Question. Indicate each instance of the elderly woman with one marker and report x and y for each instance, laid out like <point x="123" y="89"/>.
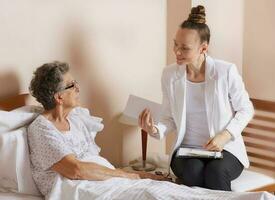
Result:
<point x="59" y="141"/>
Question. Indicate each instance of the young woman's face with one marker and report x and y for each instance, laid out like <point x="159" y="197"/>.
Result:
<point x="187" y="46"/>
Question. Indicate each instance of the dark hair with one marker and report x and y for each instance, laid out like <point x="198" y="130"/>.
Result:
<point x="46" y="81"/>
<point x="196" y="21"/>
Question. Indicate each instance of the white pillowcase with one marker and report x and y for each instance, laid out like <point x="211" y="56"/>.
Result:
<point x="15" y="119"/>
<point x="15" y="170"/>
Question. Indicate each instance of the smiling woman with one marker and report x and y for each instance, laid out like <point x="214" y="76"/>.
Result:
<point x="60" y="142"/>
<point x="206" y="104"/>
<point x="57" y="140"/>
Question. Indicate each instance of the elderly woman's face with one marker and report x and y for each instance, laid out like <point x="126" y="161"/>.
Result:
<point x="70" y="91"/>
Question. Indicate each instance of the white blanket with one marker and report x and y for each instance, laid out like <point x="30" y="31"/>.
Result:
<point x="144" y="189"/>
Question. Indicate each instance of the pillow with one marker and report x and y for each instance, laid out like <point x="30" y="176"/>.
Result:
<point x="29" y="109"/>
<point x="14" y="120"/>
<point x="15" y="170"/>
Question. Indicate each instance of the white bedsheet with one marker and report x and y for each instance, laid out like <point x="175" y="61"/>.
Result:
<point x="145" y="189"/>
<point x="15" y="196"/>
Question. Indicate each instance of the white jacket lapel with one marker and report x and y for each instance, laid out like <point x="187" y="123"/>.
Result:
<point x="180" y="102"/>
<point x="210" y="84"/>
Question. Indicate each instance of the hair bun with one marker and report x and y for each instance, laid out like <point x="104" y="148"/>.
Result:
<point x="197" y="15"/>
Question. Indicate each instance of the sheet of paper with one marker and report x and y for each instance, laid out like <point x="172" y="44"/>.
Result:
<point x="135" y="105"/>
<point x="198" y="152"/>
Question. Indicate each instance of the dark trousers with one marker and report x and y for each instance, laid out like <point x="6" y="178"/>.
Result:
<point x="214" y="174"/>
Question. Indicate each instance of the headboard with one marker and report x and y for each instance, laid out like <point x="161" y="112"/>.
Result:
<point x="259" y="137"/>
<point x="10" y="103"/>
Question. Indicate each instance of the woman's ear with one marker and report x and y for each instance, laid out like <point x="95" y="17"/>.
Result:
<point x="58" y="98"/>
<point x="204" y="48"/>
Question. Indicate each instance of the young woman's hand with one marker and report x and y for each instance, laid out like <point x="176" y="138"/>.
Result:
<point x="217" y="143"/>
<point x="146" y="122"/>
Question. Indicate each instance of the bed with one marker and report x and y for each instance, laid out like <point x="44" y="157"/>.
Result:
<point x="23" y="187"/>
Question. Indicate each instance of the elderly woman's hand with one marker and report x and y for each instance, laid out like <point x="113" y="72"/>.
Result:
<point x="132" y="176"/>
<point x="128" y="174"/>
<point x="217" y="143"/>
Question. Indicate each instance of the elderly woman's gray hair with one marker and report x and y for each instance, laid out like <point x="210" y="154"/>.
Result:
<point x="46" y="81"/>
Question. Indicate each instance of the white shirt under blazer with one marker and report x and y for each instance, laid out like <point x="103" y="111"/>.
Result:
<point x="227" y="105"/>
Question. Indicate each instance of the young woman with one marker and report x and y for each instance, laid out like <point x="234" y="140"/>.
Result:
<point x="206" y="104"/>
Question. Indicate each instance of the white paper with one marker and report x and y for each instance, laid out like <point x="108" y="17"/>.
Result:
<point x="135" y="105"/>
<point x="198" y="152"/>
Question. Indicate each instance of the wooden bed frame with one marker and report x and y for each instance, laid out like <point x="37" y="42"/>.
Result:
<point x="258" y="136"/>
<point x="13" y="102"/>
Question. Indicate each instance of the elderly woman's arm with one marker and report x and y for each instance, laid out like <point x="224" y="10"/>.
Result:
<point x="72" y="168"/>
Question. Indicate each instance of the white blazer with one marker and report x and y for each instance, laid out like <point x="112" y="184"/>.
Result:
<point x="227" y="105"/>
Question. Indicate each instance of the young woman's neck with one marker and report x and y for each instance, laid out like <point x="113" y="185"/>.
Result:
<point x="197" y="68"/>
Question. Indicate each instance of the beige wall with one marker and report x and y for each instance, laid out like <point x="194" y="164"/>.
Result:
<point x="259" y="53"/>
<point x="115" y="48"/>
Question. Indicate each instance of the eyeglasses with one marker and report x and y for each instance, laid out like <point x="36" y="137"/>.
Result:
<point x="74" y="84"/>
